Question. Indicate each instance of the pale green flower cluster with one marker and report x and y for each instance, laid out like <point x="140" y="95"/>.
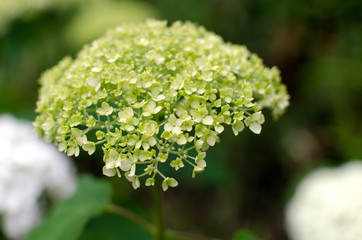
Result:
<point x="149" y="95"/>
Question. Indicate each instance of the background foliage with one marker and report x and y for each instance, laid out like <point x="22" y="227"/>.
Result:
<point x="249" y="178"/>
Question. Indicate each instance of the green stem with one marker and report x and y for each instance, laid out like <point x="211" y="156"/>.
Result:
<point x="130" y="215"/>
<point x="187" y="236"/>
<point x="151" y="229"/>
<point x="158" y="213"/>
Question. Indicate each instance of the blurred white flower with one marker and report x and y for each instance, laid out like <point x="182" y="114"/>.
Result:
<point x="327" y="205"/>
<point x="28" y="168"/>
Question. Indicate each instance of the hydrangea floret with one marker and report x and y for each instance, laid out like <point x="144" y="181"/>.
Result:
<point x="150" y="94"/>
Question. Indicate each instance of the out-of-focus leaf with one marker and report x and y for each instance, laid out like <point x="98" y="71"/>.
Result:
<point x="113" y="227"/>
<point x="243" y="234"/>
<point x="67" y="220"/>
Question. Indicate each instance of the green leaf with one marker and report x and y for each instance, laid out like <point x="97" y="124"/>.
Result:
<point x="113" y="227"/>
<point x="68" y="218"/>
<point x="243" y="234"/>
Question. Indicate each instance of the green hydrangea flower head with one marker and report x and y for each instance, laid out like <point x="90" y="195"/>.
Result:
<point x="149" y="94"/>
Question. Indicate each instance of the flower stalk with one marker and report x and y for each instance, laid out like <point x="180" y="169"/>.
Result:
<point x="149" y="227"/>
<point x="159" y="233"/>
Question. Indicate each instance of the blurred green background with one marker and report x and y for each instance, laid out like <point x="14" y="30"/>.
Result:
<point x="317" y="45"/>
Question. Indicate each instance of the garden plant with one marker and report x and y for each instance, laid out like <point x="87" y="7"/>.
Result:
<point x="152" y="95"/>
